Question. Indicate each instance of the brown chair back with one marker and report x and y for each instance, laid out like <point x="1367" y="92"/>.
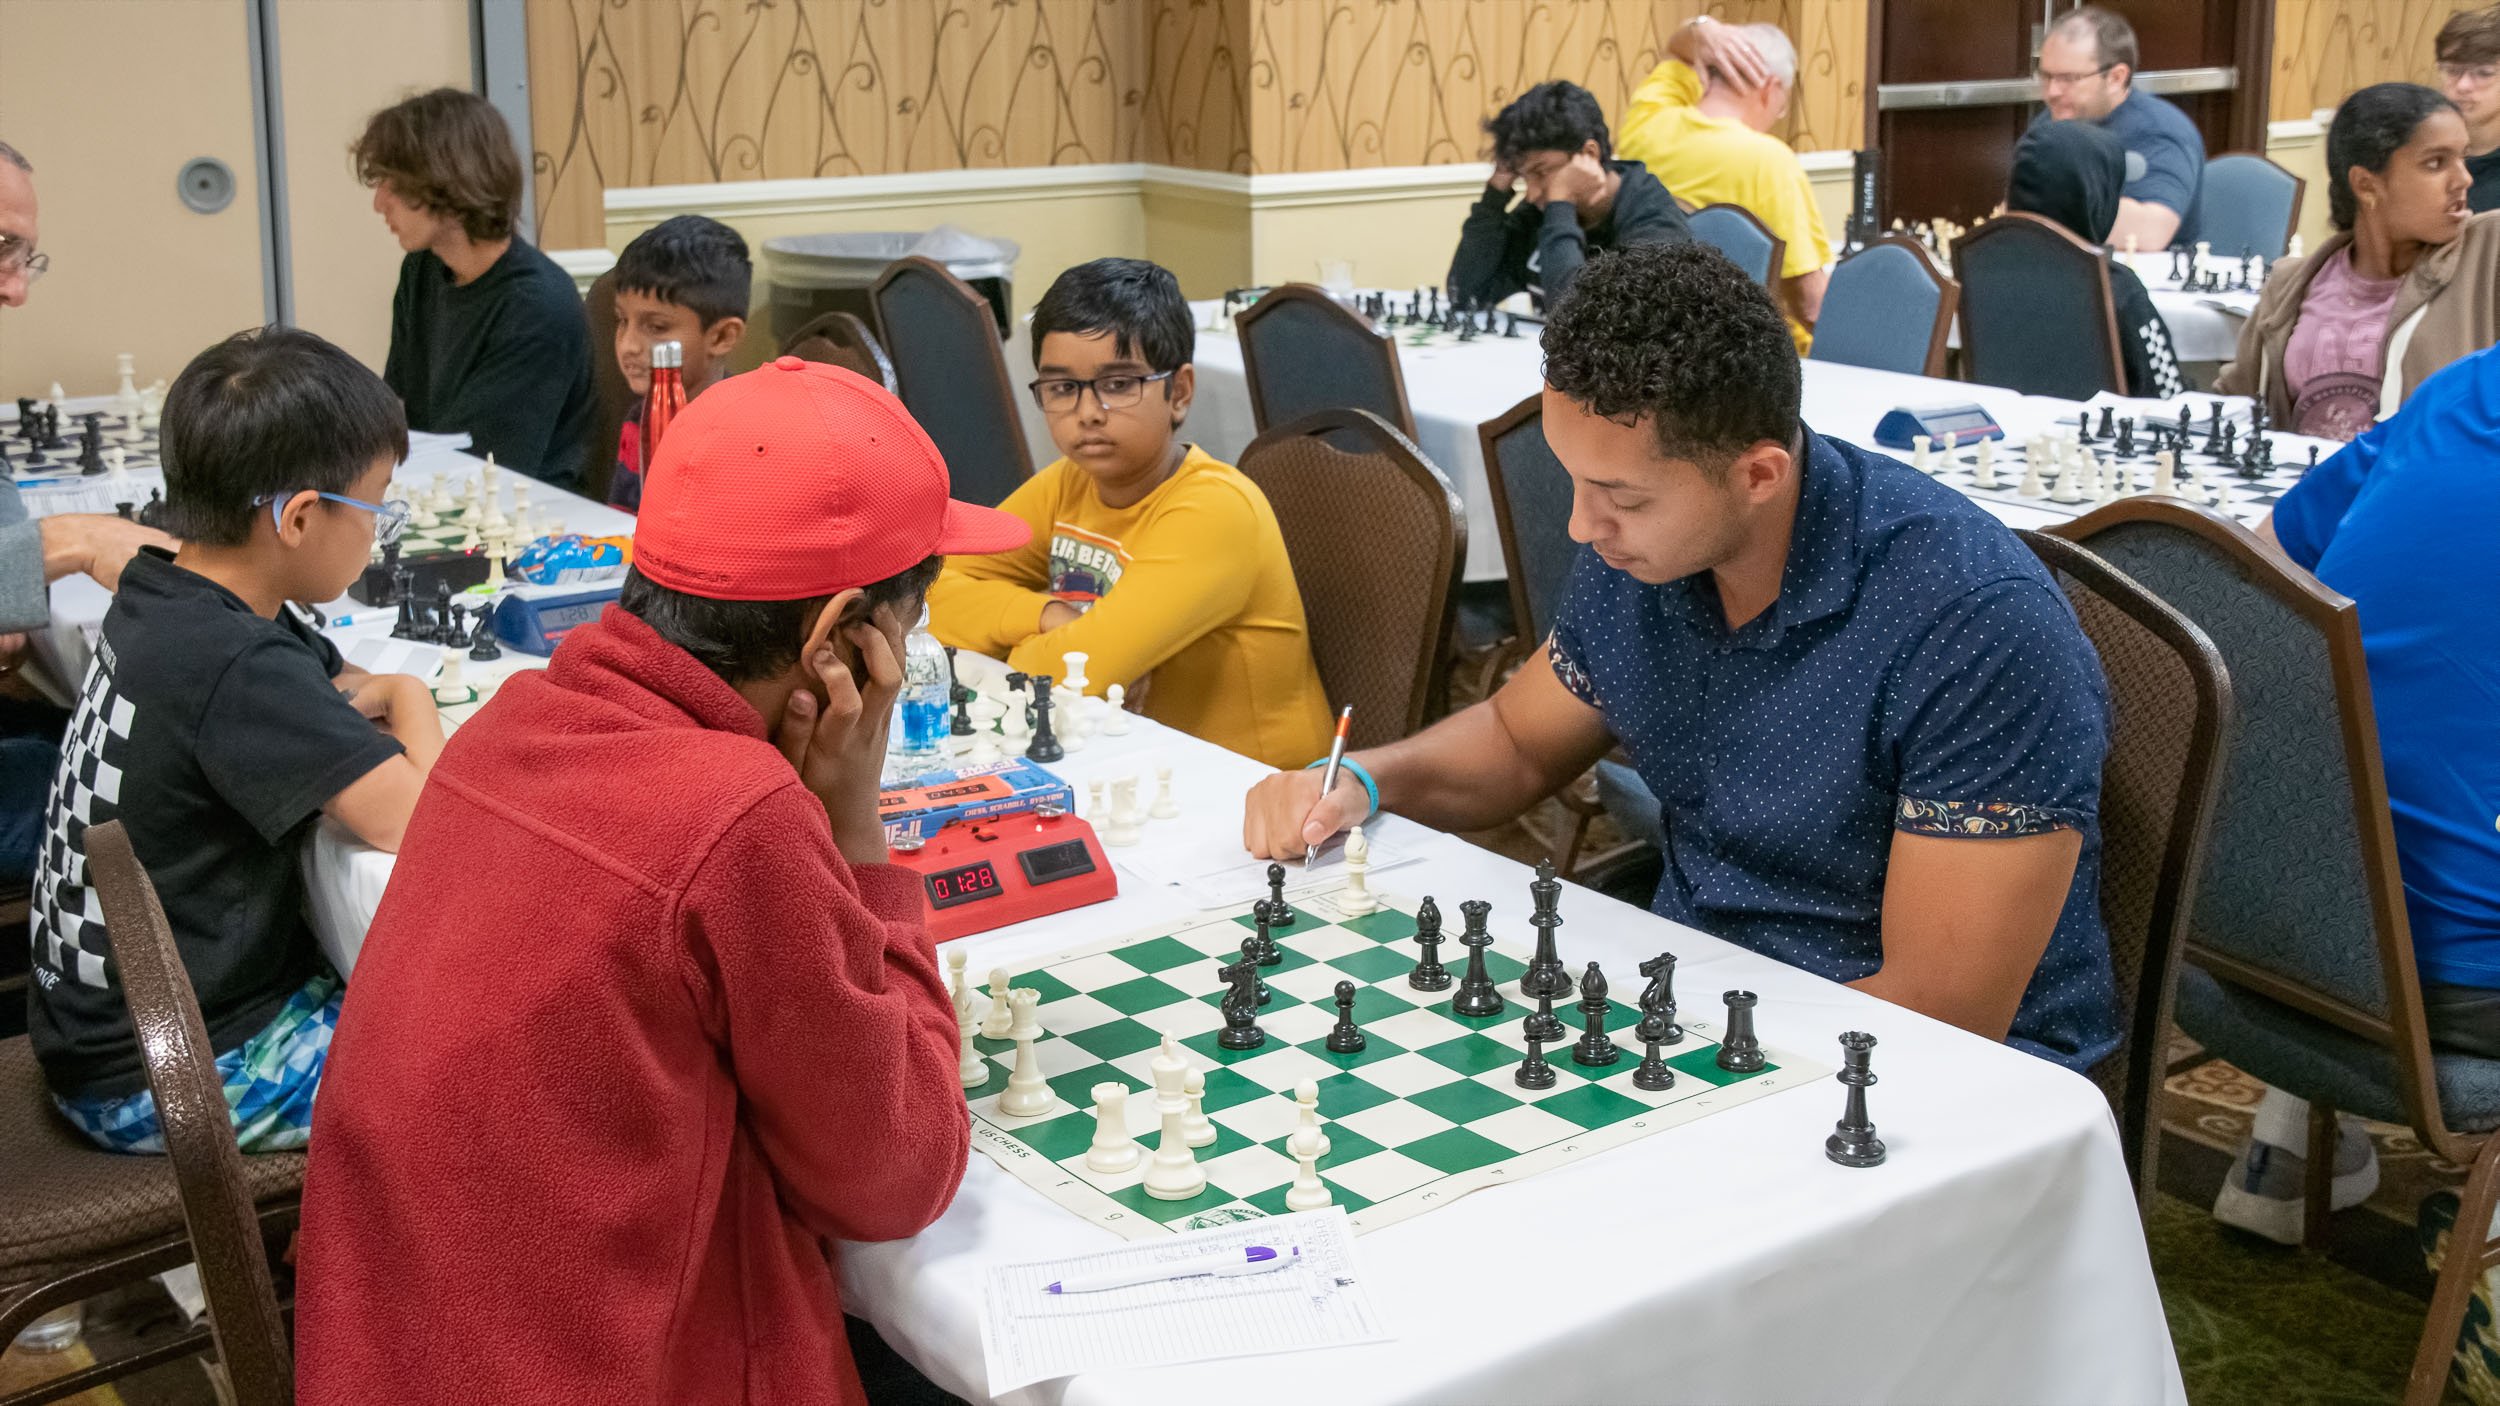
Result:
<point x="2302" y="903"/>
<point x="217" y="1203"/>
<point x="1302" y="352"/>
<point x="2170" y="721"/>
<point x="611" y="397"/>
<point x="2037" y="315"/>
<point x="1377" y="537"/>
<point x="841" y="339"/>
<point x="943" y="338"/>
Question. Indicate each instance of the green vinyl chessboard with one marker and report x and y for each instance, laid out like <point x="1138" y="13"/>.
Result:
<point x="1426" y="1113"/>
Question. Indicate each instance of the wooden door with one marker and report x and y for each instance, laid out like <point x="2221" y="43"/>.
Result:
<point x="109" y="101"/>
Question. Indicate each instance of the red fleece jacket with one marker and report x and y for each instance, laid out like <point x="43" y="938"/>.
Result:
<point x="627" y="1042"/>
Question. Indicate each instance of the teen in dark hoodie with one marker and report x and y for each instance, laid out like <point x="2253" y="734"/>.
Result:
<point x="2071" y="172"/>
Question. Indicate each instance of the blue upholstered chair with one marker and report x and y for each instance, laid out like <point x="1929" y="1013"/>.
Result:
<point x="1888" y="307"/>
<point x="943" y="339"/>
<point x="1733" y="231"/>
<point x="2171" y="715"/>
<point x="2248" y="205"/>
<point x="2036" y="310"/>
<point x="1302" y="351"/>
<point x="2300" y="960"/>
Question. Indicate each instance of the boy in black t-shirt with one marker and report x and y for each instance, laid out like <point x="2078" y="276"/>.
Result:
<point x="216" y="725"/>
<point x="488" y="338"/>
<point x="684" y="280"/>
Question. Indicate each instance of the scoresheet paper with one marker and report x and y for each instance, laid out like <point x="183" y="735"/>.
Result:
<point x="1029" y="1335"/>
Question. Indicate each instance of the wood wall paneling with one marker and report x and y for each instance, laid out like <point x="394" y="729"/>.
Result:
<point x="2324" y="49"/>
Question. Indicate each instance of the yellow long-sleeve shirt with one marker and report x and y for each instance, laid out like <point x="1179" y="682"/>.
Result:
<point x="1709" y="160"/>
<point x="1191" y="585"/>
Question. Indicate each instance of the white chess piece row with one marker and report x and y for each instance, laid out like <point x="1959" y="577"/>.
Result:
<point x="1121" y="824"/>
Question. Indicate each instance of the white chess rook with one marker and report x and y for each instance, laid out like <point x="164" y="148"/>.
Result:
<point x="1113" y="1150"/>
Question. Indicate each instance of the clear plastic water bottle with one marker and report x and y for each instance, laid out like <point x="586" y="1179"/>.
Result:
<point x="923" y="704"/>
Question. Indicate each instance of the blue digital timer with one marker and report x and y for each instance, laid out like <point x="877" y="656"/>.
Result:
<point x="536" y="624"/>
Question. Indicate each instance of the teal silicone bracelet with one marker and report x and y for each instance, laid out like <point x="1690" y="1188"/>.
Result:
<point x="1371" y="788"/>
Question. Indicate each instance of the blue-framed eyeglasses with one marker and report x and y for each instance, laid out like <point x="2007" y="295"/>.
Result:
<point x="389" y="519"/>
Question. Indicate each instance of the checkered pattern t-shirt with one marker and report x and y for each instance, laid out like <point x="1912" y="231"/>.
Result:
<point x="214" y="735"/>
<point x="1918" y="672"/>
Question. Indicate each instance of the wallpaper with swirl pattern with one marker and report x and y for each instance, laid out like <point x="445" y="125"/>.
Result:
<point x="648" y="92"/>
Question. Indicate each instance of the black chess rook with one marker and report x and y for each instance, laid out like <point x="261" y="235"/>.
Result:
<point x="1739" y="1051"/>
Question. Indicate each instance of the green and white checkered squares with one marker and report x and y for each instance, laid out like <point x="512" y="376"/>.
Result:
<point x="1425" y="1112"/>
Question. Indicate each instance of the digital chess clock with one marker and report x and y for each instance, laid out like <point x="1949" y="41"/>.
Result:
<point x="1968" y="424"/>
<point x="976" y="875"/>
<point x="536" y="624"/>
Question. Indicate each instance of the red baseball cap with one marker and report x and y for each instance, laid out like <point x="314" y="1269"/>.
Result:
<point x="796" y="480"/>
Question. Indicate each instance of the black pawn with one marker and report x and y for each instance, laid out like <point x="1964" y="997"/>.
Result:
<point x="442" y="611"/>
<point x="1595" y="1048"/>
<point x="1534" y="1072"/>
<point x="1653" y="1074"/>
<point x="482" y="643"/>
<point x="1045" y="744"/>
<point x="1739" y="1051"/>
<point x="1279" y="912"/>
<point x="2126" y="437"/>
<point x="1542" y="1023"/>
<point x="1256" y="949"/>
<point x="1853" y="1142"/>
<point x="1545" y="975"/>
<point x="2083" y="428"/>
<point x="1346" y="1039"/>
<point x="1477" y="996"/>
<point x="1429" y="974"/>
<point x="127" y="512"/>
<point x="2313" y="459"/>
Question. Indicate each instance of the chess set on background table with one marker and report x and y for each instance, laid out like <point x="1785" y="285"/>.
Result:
<point x="1143" y="1084"/>
<point x="2076" y="470"/>
<point x="1423" y="318"/>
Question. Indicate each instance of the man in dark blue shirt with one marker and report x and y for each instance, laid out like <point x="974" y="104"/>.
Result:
<point x="2404" y="520"/>
<point x="1873" y="725"/>
<point x="2087" y="71"/>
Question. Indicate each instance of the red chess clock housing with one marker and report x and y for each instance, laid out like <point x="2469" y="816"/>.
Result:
<point x="976" y="875"/>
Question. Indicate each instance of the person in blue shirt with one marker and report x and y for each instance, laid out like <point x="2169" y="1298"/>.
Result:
<point x="2405" y="521"/>
<point x="1873" y="725"/>
<point x="2087" y="71"/>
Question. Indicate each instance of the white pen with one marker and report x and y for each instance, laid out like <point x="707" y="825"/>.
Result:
<point x="1249" y="1259"/>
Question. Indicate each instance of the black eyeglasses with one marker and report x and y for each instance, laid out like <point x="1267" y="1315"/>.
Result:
<point x="18" y="256"/>
<point x="1057" y="395"/>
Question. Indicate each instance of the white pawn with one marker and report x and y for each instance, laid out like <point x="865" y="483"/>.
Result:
<point x="1015" y="725"/>
<point x="60" y="401"/>
<point x="1309" y="1193"/>
<point x="1094" y="813"/>
<point x="1113" y="1150"/>
<point x="1115" y="717"/>
<point x="1357" y="898"/>
<point x="2295" y="249"/>
<point x="448" y="690"/>
<point x="996" y="1021"/>
<point x="1163" y="808"/>
<point x="1196" y="1130"/>
<point x="1918" y="454"/>
<point x="1983" y="472"/>
<point x="985" y="749"/>
<point x="2166" y="474"/>
<point x="1124" y="813"/>
<point x="2035" y="469"/>
<point x="118" y="459"/>
<point x="1307" y="1131"/>
<point x="1028" y="1094"/>
<point x="2069" y="478"/>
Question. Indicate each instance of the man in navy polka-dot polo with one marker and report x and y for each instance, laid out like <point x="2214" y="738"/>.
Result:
<point x="1873" y="726"/>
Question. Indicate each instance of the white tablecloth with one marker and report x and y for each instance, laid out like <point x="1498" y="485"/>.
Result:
<point x="1996" y="1257"/>
<point x="1453" y="388"/>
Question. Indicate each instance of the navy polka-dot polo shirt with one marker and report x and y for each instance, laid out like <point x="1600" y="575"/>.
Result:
<point x="1919" y="671"/>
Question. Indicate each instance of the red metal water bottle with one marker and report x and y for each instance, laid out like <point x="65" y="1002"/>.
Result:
<point x="667" y="398"/>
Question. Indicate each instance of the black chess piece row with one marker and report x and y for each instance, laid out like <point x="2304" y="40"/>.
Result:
<point x="441" y="622"/>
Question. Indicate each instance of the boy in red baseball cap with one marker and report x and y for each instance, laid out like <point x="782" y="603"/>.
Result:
<point x="645" y="1019"/>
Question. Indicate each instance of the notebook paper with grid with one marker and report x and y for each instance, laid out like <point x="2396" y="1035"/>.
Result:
<point x="1424" y="1113"/>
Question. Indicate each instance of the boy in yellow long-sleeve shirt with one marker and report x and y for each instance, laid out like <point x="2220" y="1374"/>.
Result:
<point x="1161" y="564"/>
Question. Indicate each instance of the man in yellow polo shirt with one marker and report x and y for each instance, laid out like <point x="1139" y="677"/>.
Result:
<point x="1701" y="122"/>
